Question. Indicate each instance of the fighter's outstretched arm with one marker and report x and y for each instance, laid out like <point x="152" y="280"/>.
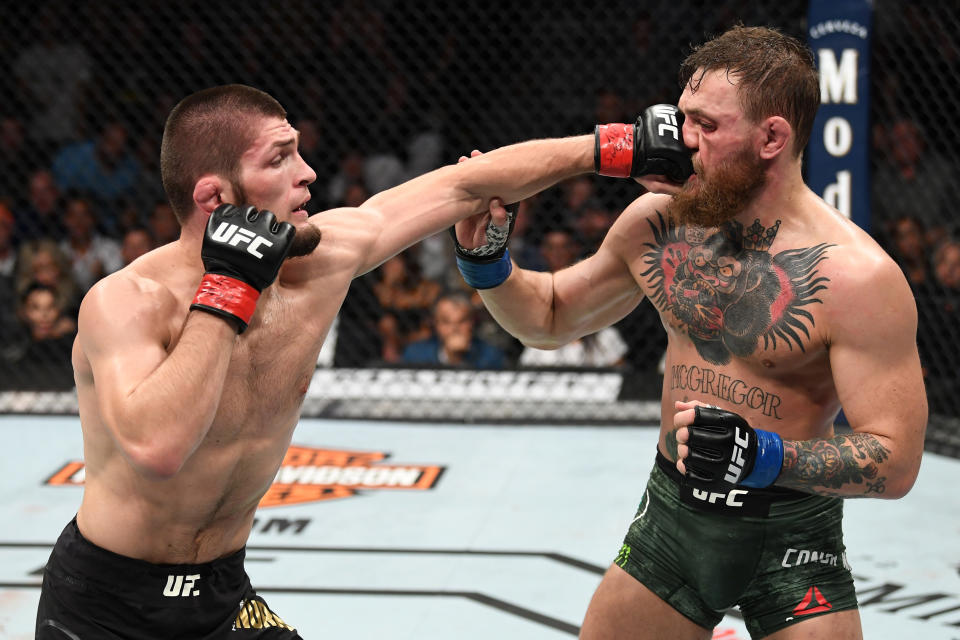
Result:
<point x="399" y="217"/>
<point x="548" y="310"/>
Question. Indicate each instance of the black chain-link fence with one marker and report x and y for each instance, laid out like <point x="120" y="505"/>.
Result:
<point x="385" y="90"/>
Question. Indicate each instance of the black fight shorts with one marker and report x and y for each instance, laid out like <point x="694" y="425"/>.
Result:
<point x="90" y="593"/>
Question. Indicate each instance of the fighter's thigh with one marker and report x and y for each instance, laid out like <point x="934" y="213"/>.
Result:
<point x="842" y="625"/>
<point x="623" y="609"/>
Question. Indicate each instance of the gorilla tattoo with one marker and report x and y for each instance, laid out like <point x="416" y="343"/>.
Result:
<point x="728" y="291"/>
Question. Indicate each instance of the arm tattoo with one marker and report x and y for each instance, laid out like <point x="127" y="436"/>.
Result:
<point x="847" y="466"/>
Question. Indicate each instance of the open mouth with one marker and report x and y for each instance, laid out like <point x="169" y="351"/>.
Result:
<point x="302" y="209"/>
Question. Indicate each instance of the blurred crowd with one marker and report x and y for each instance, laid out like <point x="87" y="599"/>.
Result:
<point x="378" y="100"/>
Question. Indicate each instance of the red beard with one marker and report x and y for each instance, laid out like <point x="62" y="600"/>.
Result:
<point x="721" y="195"/>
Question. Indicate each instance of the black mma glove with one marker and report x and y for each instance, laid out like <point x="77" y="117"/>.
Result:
<point x="242" y="252"/>
<point x="726" y="451"/>
<point x="652" y="146"/>
<point x="489" y="264"/>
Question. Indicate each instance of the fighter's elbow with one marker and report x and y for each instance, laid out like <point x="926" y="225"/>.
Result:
<point x="899" y="484"/>
<point x="154" y="463"/>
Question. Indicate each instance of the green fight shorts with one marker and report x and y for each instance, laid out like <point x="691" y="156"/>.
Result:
<point x="777" y="553"/>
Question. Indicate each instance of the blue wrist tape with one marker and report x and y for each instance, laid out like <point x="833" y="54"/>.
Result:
<point x="769" y="460"/>
<point x="485" y="275"/>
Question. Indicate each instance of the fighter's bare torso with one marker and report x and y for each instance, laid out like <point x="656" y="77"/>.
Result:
<point x="747" y="309"/>
<point x="205" y="511"/>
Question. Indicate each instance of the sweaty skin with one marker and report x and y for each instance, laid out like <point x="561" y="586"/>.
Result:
<point x="783" y="314"/>
<point x="185" y="423"/>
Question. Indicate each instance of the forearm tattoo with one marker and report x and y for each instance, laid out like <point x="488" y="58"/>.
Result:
<point x="848" y="466"/>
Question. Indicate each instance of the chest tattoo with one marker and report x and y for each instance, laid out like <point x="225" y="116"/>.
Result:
<point x="727" y="291"/>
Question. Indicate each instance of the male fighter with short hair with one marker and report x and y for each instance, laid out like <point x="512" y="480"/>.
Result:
<point x="192" y="362"/>
<point x="778" y="311"/>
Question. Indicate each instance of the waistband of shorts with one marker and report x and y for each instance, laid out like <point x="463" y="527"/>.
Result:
<point x="771" y="494"/>
<point x="84" y="563"/>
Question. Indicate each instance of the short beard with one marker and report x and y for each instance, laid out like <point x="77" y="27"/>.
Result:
<point x="724" y="194"/>
<point x="304" y="241"/>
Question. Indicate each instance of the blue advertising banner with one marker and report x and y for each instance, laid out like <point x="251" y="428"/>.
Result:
<point x="837" y="162"/>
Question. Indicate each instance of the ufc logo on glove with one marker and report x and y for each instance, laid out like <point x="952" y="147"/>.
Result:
<point x="233" y="235"/>
<point x="668" y="114"/>
<point x="737" y="460"/>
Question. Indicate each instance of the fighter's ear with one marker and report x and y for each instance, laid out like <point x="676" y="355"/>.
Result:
<point x="210" y="192"/>
<point x="777" y="134"/>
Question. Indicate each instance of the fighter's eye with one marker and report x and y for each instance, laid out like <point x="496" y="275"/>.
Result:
<point x="726" y="272"/>
<point x="699" y="261"/>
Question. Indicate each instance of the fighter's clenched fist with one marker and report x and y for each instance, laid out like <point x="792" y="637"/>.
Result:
<point x="242" y="252"/>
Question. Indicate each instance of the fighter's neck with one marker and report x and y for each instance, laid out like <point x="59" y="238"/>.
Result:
<point x="783" y="197"/>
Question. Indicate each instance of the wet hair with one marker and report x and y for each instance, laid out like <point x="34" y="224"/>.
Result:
<point x="207" y="133"/>
<point x="775" y="75"/>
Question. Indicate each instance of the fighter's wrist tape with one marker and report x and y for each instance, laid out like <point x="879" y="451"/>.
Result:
<point x="613" y="150"/>
<point x="226" y="296"/>
<point x="485" y="275"/>
<point x="769" y="460"/>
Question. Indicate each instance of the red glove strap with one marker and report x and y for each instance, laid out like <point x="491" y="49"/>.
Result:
<point x="228" y="294"/>
<point x="615" y="145"/>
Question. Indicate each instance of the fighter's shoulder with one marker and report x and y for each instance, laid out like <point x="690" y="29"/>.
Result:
<point x="347" y="234"/>
<point x="641" y="221"/>
<point x="856" y="257"/>
<point x="130" y="294"/>
<point x="861" y="275"/>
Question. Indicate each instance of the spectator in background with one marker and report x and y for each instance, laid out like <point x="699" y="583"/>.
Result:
<point x="938" y="333"/>
<point x="908" y="246"/>
<point x="453" y="342"/>
<point x="42" y="313"/>
<point x="406" y="298"/>
<point x="136" y="242"/>
<point x="103" y="168"/>
<point x="424" y="152"/>
<point x="42" y="359"/>
<point x="946" y="267"/>
<point x="351" y="172"/>
<point x="592" y="224"/>
<point x="559" y="248"/>
<point x="575" y="194"/>
<point x="606" y="348"/>
<point x="52" y="76"/>
<point x="91" y="254"/>
<point x="914" y="181"/>
<point x="42" y="262"/>
<point x="163" y="224"/>
<point x="42" y="215"/>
